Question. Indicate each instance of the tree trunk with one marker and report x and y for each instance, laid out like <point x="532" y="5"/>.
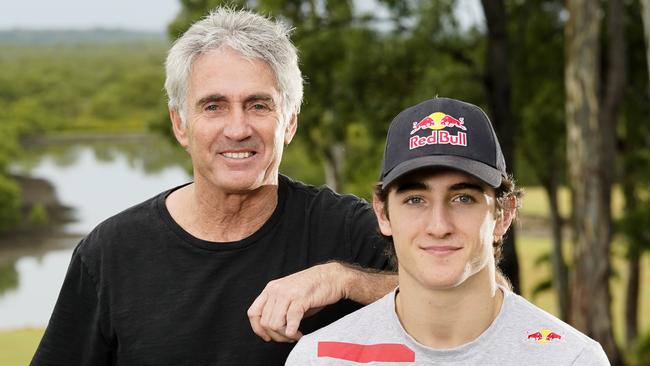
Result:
<point x="645" y="13"/>
<point x="560" y="271"/>
<point x="333" y="165"/>
<point x="632" y="298"/>
<point x="634" y="256"/>
<point x="586" y="159"/>
<point x="497" y="87"/>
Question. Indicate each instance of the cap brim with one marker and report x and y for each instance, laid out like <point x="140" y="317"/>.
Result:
<point x="484" y="172"/>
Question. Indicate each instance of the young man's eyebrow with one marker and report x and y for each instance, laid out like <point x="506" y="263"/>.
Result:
<point x="467" y="185"/>
<point x="415" y="185"/>
<point x="410" y="186"/>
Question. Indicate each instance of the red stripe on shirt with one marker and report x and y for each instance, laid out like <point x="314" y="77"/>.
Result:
<point x="383" y="352"/>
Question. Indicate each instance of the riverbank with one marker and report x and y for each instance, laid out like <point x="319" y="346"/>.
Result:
<point x="43" y="219"/>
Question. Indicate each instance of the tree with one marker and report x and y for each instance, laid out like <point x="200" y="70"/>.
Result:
<point x="590" y="187"/>
<point x="498" y="87"/>
<point x="536" y="29"/>
<point x="634" y="148"/>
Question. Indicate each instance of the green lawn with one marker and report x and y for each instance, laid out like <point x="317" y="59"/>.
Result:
<point x="17" y="346"/>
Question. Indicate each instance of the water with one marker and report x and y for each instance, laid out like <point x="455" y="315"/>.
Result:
<point x="97" y="180"/>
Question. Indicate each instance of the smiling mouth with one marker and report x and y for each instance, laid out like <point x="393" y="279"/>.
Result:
<point x="238" y="155"/>
<point x="442" y="249"/>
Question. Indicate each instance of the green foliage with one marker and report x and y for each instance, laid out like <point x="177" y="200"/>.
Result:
<point x="9" y="203"/>
<point x="38" y="215"/>
<point x="640" y="355"/>
<point x="107" y="87"/>
<point x="8" y="277"/>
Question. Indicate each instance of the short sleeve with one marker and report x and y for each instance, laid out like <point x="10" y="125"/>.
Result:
<point x="302" y="354"/>
<point x="592" y="355"/>
<point x="73" y="335"/>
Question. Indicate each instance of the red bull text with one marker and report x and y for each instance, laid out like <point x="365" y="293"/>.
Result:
<point x="438" y="122"/>
<point x="438" y="137"/>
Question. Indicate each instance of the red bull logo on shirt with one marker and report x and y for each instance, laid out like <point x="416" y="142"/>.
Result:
<point x="440" y="124"/>
<point x="544" y="336"/>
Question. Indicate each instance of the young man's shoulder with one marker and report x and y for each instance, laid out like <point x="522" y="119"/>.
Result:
<point x="544" y="333"/>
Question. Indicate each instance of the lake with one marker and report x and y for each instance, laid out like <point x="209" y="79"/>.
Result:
<point x="97" y="178"/>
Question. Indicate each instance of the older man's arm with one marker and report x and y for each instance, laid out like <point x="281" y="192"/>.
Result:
<point x="276" y="313"/>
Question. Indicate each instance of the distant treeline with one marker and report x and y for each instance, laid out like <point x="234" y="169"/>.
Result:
<point x="98" y="35"/>
<point x="80" y="86"/>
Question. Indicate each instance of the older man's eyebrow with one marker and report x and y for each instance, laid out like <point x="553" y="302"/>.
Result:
<point x="211" y="98"/>
<point x="266" y="98"/>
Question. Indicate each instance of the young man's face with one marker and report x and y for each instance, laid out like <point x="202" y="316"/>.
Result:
<point x="235" y="129"/>
<point x="443" y="224"/>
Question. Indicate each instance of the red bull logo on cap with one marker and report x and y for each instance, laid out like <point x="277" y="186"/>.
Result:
<point x="544" y="336"/>
<point x="437" y="122"/>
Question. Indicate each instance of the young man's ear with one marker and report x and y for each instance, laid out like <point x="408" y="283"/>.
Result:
<point x="180" y="130"/>
<point x="505" y="218"/>
<point x="290" y="130"/>
<point x="382" y="218"/>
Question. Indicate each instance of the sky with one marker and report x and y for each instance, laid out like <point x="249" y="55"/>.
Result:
<point x="145" y="15"/>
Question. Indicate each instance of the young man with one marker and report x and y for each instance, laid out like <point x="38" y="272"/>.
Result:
<point x="445" y="202"/>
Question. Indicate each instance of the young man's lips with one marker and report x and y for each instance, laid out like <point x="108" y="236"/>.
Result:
<point x="442" y="249"/>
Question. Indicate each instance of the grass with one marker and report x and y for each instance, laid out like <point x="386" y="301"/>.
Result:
<point x="17" y="346"/>
<point x="535" y="202"/>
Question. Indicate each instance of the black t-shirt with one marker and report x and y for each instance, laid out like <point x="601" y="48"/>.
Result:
<point x="140" y="290"/>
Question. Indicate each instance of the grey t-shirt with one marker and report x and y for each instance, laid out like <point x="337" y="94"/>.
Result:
<point x="521" y="334"/>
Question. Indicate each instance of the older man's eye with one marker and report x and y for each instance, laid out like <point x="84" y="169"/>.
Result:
<point x="260" y="107"/>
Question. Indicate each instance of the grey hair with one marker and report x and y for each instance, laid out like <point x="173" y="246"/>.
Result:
<point x="251" y="35"/>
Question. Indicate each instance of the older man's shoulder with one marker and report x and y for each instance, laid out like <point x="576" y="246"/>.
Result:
<point x="130" y="225"/>
<point x="322" y="194"/>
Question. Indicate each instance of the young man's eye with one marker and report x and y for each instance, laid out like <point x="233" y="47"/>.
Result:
<point x="414" y="200"/>
<point x="464" y="198"/>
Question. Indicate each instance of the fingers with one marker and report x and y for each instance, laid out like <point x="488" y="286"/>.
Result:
<point x="255" y="315"/>
<point x="268" y="318"/>
<point x="295" y="313"/>
<point x="274" y="315"/>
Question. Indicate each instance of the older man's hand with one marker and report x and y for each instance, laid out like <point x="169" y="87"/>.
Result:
<point x="276" y="313"/>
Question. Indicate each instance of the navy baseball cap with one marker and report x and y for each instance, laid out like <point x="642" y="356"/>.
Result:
<point x="443" y="132"/>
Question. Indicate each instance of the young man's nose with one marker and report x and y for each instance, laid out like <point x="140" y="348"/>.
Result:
<point x="439" y="223"/>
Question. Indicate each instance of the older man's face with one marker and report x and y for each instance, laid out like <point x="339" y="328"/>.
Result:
<point x="235" y="131"/>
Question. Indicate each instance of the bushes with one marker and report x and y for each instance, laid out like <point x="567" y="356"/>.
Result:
<point x="9" y="203"/>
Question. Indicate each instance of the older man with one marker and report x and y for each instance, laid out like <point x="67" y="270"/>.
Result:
<point x="183" y="277"/>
